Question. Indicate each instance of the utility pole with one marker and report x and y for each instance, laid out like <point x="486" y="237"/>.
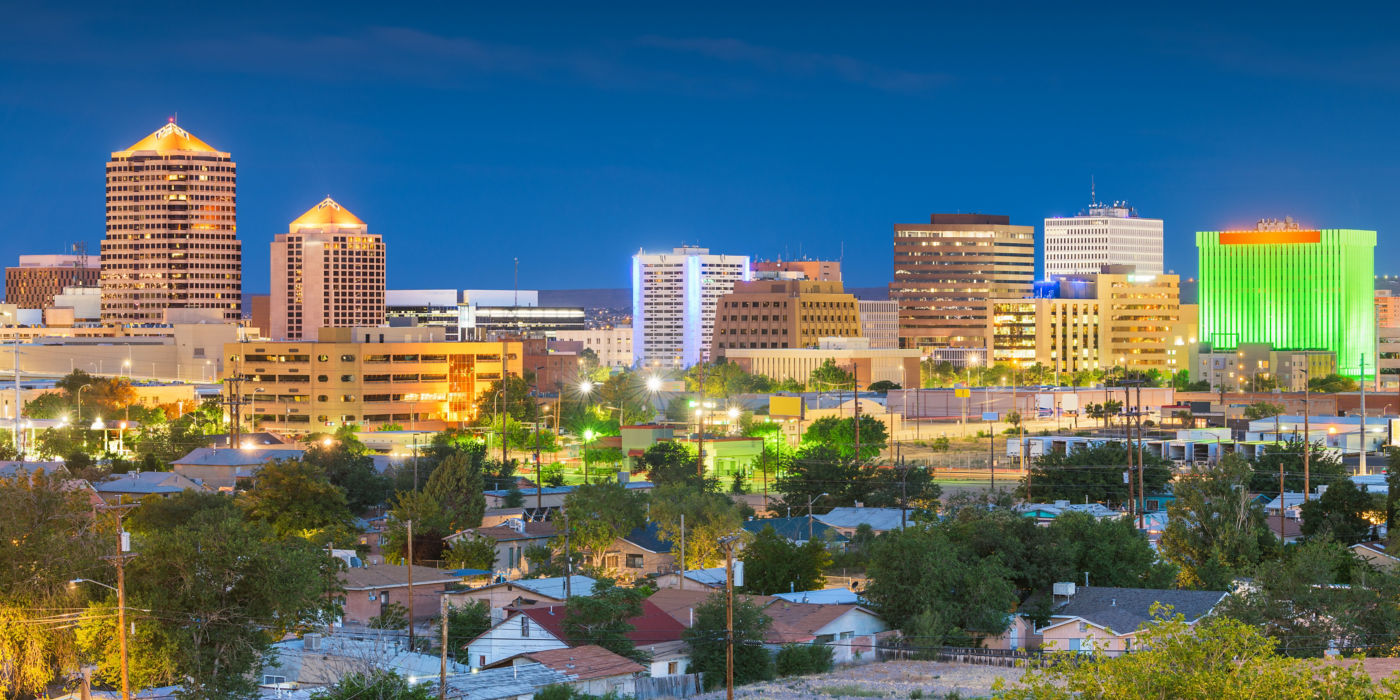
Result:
<point x="1142" y="493"/>
<point x="1128" y="440"/>
<point x="568" y="559"/>
<point x="539" y="485"/>
<point x="442" y="670"/>
<point x="992" y="452"/>
<point x="855" y="393"/>
<point x="700" y="422"/>
<point x="119" y="559"/>
<point x="1361" y="467"/>
<point x="410" y="586"/>
<point x="682" y="578"/>
<point x="728" y="543"/>
<point x="235" y="403"/>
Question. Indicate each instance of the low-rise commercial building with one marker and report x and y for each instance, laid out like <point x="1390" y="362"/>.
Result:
<point x="1388" y="357"/>
<point x="1258" y="366"/>
<point x="367" y="377"/>
<point x="879" y="322"/>
<point x="855" y="355"/>
<point x="613" y="346"/>
<point x="773" y="313"/>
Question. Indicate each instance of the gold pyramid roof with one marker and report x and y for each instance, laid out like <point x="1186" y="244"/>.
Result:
<point x="327" y="213"/>
<point x="170" y="138"/>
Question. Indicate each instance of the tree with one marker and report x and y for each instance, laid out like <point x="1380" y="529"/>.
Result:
<point x="1343" y="512"/>
<point x="883" y="386"/>
<point x="393" y="616"/>
<point x="171" y="512"/>
<point x="671" y="462"/>
<point x="708" y="517"/>
<point x="839" y="435"/>
<point x="458" y="486"/>
<point x="430" y="525"/>
<point x="1263" y="409"/>
<point x="226" y="588"/>
<point x="1215" y="529"/>
<point x="1094" y="473"/>
<point x="603" y="618"/>
<point x="48" y="536"/>
<point x="1112" y="548"/>
<point x="828" y="375"/>
<point x="296" y="498"/>
<point x="378" y="685"/>
<point x="774" y="565"/>
<point x="471" y="552"/>
<point x="354" y="473"/>
<point x="1324" y="467"/>
<point x="1218" y="657"/>
<point x="817" y="474"/>
<point x="1332" y="384"/>
<point x="921" y="569"/>
<point x="804" y="659"/>
<point x="600" y="513"/>
<point x="706" y="639"/>
<point x="464" y="623"/>
<point x="1318" y="595"/>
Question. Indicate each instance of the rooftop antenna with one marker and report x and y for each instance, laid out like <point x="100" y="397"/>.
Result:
<point x="1093" y="199"/>
<point x="517" y="282"/>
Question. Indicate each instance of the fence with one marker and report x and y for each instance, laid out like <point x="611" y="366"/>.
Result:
<point x="1008" y="658"/>
<point x="677" y="686"/>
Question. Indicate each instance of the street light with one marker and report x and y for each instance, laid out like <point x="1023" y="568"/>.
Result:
<point x="653" y="384"/>
<point x="588" y="436"/>
<point x="586" y="387"/>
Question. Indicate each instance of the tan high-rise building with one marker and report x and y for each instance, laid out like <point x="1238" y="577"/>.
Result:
<point x="783" y="314"/>
<point x="1097" y="322"/>
<point x="39" y="278"/>
<point x="172" y="235"/>
<point x="820" y="270"/>
<point x="947" y="272"/>
<point x="327" y="272"/>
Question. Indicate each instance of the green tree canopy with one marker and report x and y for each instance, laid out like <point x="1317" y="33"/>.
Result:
<point x="377" y="685"/>
<point x="1324" y="467"/>
<point x="671" y="462"/>
<point x="296" y="498"/>
<point x="1094" y="474"/>
<point x="1344" y="513"/>
<point x="706" y="639"/>
<point x="1218" y="658"/>
<point x="1215" y="529"/>
<point x="600" y="513"/>
<point x="839" y="434"/>
<point x="458" y="486"/>
<point x="353" y="472"/>
<point x="774" y="565"/>
<point x="829" y="376"/>
<point x="471" y="552"/>
<point x="708" y="517"/>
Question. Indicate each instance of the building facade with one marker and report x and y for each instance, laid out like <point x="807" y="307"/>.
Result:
<point x="1258" y="367"/>
<point x="947" y="272"/>
<point x="1388" y="358"/>
<point x="39" y="278"/>
<point x="879" y="321"/>
<point x="366" y="377"/>
<point x="851" y="354"/>
<point x="172" y="234"/>
<point x="1292" y="288"/>
<point x="1106" y="234"/>
<point x="327" y="272"/>
<point x="426" y="308"/>
<point x="818" y="270"/>
<point x="674" y="296"/>
<point x="1096" y="322"/>
<point x="771" y="313"/>
<point x="1387" y="309"/>
<point x="613" y="346"/>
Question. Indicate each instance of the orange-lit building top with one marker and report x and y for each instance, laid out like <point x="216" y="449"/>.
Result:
<point x="327" y="213"/>
<point x="1269" y="237"/>
<point x="169" y="138"/>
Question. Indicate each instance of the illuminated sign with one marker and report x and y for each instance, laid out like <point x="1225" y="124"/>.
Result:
<point x="1269" y="237"/>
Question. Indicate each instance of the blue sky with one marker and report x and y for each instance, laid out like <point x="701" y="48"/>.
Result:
<point x="571" y="136"/>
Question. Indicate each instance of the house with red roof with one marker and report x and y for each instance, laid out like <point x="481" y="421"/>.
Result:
<point x="591" y="669"/>
<point x="538" y="628"/>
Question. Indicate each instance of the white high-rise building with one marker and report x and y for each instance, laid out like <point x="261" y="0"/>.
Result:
<point x="673" y="303"/>
<point x="1108" y="234"/>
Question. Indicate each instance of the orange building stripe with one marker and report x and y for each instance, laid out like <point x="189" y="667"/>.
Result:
<point x="1269" y="237"/>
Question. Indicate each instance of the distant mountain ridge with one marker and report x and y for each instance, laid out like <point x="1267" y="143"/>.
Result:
<point x="622" y="298"/>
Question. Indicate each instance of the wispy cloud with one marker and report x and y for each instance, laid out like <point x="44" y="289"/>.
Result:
<point x="801" y="63"/>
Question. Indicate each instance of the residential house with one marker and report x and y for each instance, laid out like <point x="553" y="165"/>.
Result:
<point x="516" y="682"/>
<point x="524" y="592"/>
<point x="851" y="630"/>
<point x="1291" y="502"/>
<point x="134" y="486"/>
<point x="317" y="661"/>
<point x="667" y="658"/>
<point x="369" y="589"/>
<point x="1376" y="554"/>
<point x="591" y="668"/>
<point x="799" y="529"/>
<point x="10" y="469"/>
<point x="824" y="596"/>
<point x="220" y="469"/>
<point x="1290" y="530"/>
<point x="541" y="627"/>
<point x="1106" y="620"/>
<point x="1045" y="513"/>
<point x="639" y="553"/>
<point x="699" y="579"/>
<point x="512" y="538"/>
<point x="847" y="520"/>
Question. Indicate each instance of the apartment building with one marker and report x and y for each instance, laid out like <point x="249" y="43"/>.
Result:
<point x="674" y="297"/>
<point x="778" y="313"/>
<point x="368" y="377"/>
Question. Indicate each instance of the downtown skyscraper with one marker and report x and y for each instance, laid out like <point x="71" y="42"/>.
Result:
<point x="1107" y="234"/>
<point x="674" y="296"/>
<point x="172" y="234"/>
<point x="327" y="272"/>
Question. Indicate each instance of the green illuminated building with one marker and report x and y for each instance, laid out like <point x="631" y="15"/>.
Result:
<point x="1294" y="289"/>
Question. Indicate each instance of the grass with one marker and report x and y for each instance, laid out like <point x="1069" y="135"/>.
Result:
<point x="851" y="690"/>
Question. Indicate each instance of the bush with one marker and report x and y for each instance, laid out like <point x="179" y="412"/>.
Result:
<point x="941" y="444"/>
<point x="804" y="659"/>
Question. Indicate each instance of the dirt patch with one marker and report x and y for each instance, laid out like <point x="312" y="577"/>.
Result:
<point x="892" y="679"/>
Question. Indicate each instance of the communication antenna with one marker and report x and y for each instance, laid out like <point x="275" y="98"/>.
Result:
<point x="80" y="250"/>
<point x="1093" y="199"/>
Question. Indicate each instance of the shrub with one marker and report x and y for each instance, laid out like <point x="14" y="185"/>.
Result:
<point x="804" y="659"/>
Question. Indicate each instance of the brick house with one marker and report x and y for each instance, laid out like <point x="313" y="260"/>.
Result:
<point x="369" y="589"/>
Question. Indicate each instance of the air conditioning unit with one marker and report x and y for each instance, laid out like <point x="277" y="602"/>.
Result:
<point x="1064" y="588"/>
<point x="311" y="642"/>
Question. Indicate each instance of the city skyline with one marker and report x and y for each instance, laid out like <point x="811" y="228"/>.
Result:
<point x="657" y="129"/>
